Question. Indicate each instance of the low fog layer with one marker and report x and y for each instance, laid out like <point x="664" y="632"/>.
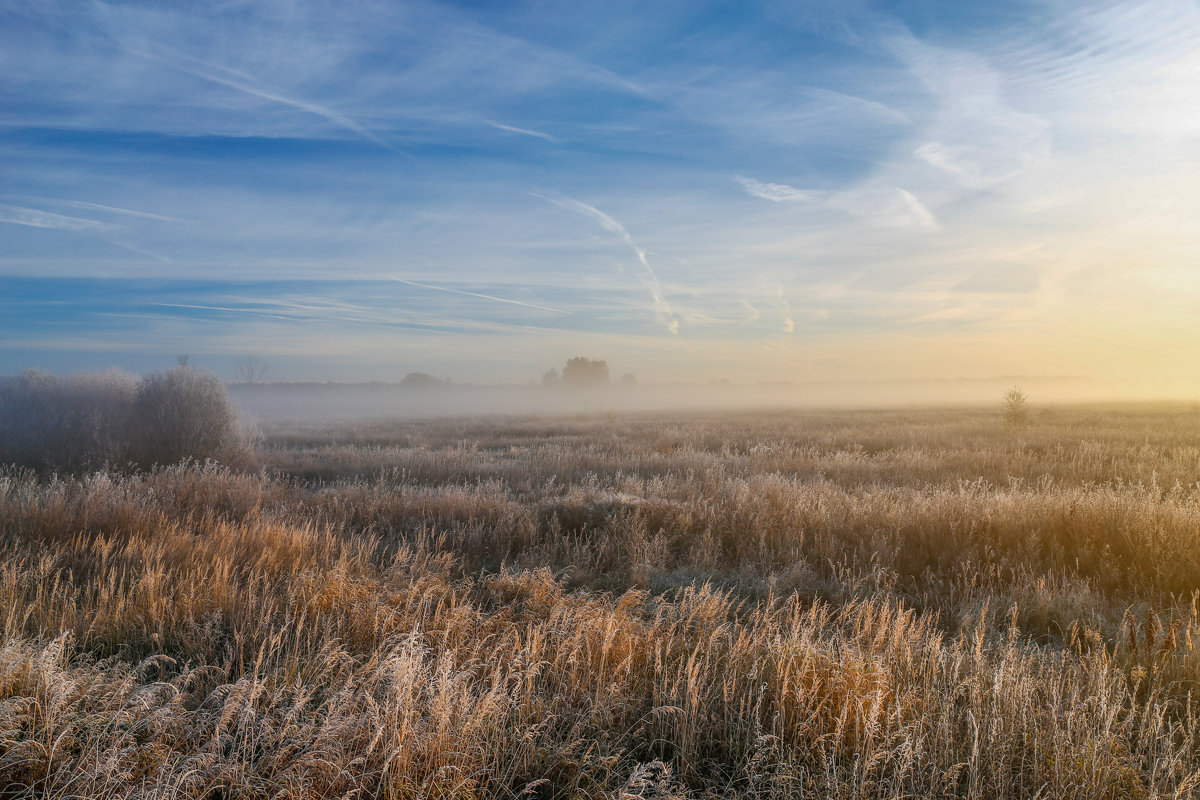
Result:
<point x="277" y="402"/>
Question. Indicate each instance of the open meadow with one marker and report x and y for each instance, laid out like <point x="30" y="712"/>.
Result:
<point x="867" y="604"/>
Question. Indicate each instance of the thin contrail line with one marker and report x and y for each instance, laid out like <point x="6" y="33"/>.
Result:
<point x="661" y="307"/>
<point x="228" y="309"/>
<point x="245" y="83"/>
<point x="101" y="207"/>
<point x="476" y="294"/>
<point x="525" y="131"/>
<point x="35" y="218"/>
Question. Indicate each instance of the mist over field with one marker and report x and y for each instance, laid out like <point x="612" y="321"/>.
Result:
<point x="268" y="402"/>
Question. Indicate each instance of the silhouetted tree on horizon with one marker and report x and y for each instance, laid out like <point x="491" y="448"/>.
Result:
<point x="423" y="380"/>
<point x="580" y="372"/>
<point x="251" y="369"/>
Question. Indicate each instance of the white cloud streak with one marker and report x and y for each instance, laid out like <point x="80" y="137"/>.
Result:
<point x="776" y="192"/>
<point x="789" y="323"/>
<point x="919" y="212"/>
<point x="885" y="205"/>
<point x="524" y="131"/>
<point x="752" y="313"/>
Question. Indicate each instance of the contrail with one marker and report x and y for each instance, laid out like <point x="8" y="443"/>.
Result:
<point x="101" y="207"/>
<point x="335" y="117"/>
<point x="476" y="294"/>
<point x="661" y="307"/>
<point x="525" y="131"/>
<point x="244" y="83"/>
<point x="140" y="251"/>
<point x="34" y="218"/>
<point x="228" y="309"/>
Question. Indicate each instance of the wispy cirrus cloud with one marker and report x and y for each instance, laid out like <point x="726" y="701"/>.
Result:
<point x="888" y="205"/>
<point x="776" y="192"/>
<point x="975" y="134"/>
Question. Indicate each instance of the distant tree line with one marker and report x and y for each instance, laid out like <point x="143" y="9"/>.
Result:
<point x="578" y="373"/>
<point x="423" y="380"/>
<point x="583" y="373"/>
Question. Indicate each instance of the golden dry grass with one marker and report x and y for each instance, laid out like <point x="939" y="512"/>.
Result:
<point x="883" y="605"/>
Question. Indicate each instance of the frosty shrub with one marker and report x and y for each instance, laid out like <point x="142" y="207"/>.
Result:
<point x="72" y="423"/>
<point x="185" y="413"/>
<point x="83" y="422"/>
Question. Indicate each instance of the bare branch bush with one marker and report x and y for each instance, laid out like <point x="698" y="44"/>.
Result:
<point x="251" y="369"/>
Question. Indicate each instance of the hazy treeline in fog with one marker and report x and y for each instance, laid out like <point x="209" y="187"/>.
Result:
<point x="590" y="388"/>
<point x="367" y="401"/>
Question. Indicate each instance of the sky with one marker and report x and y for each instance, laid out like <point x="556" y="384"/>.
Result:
<point x="757" y="191"/>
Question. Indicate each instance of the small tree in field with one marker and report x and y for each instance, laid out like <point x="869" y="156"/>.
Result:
<point x="1016" y="408"/>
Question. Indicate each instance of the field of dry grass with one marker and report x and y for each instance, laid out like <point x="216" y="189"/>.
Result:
<point x="832" y="605"/>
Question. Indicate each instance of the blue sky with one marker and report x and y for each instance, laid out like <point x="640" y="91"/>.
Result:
<point x="691" y="190"/>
